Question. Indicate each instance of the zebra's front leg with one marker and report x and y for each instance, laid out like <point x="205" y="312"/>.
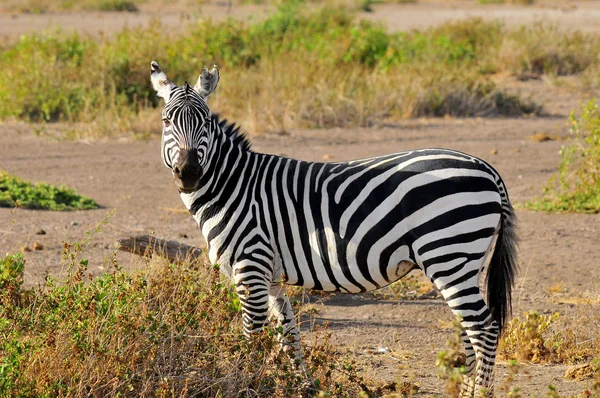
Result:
<point x="253" y="292"/>
<point x="280" y="309"/>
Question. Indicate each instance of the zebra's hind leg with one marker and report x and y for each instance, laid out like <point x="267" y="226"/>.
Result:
<point x="484" y="339"/>
<point x="461" y="292"/>
<point x="467" y="388"/>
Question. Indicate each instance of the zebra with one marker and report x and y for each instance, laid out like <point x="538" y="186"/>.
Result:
<point x="351" y="227"/>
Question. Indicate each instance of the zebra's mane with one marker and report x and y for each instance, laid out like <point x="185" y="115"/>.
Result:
<point x="233" y="132"/>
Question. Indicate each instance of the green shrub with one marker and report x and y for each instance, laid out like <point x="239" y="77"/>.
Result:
<point x="576" y="185"/>
<point x="112" y="5"/>
<point x="16" y="192"/>
<point x="11" y="277"/>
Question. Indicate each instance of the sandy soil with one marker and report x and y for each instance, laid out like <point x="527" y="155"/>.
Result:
<point x="129" y="176"/>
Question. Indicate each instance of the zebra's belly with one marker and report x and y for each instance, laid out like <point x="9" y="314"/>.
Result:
<point x="330" y="263"/>
<point x="345" y="266"/>
<point x="396" y="272"/>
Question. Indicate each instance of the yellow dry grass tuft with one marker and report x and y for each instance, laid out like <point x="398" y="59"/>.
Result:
<point x="542" y="136"/>
<point x="552" y="338"/>
<point x="557" y="287"/>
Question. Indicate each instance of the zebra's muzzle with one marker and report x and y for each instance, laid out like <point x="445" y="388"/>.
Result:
<point x="187" y="171"/>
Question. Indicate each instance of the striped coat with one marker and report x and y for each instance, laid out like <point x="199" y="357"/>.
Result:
<point x="350" y="227"/>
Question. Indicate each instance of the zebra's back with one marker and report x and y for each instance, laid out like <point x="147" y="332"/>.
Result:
<point x="360" y="225"/>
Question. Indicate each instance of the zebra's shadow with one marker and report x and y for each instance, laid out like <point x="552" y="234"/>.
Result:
<point x="308" y="321"/>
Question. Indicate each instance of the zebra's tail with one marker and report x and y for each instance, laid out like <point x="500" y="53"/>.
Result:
<point x="503" y="267"/>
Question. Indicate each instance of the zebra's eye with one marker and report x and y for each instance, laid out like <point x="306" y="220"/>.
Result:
<point x="167" y="122"/>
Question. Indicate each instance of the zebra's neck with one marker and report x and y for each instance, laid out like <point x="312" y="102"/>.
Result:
<point x="230" y="155"/>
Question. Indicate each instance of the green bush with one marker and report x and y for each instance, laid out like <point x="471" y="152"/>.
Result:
<point x="16" y="192"/>
<point x="112" y="5"/>
<point x="576" y="185"/>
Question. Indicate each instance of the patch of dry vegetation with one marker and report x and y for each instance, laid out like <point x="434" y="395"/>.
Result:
<point x="300" y="67"/>
<point x="408" y="287"/>
<point x="555" y="339"/>
<point x="172" y="331"/>
<point x="547" y="49"/>
<point x="539" y="339"/>
<point x="552" y="338"/>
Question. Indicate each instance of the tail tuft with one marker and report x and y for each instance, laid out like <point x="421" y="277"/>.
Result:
<point x="503" y="267"/>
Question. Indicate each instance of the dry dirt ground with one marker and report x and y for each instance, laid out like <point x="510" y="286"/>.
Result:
<point x="129" y="176"/>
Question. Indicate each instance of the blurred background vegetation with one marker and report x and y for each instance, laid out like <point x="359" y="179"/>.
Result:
<point x="346" y="71"/>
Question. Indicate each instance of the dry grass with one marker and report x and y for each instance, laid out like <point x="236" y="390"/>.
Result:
<point x="265" y="99"/>
<point x="166" y="331"/>
<point x="540" y="339"/>
<point x="552" y="338"/>
<point x="556" y="288"/>
<point x="300" y="67"/>
<point x="542" y="136"/>
<point x="546" y="49"/>
<point x="409" y="287"/>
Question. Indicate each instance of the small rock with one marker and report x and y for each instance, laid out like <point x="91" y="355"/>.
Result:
<point x="327" y="156"/>
<point x="38" y="246"/>
<point x="376" y="351"/>
<point x="25" y="249"/>
<point x="494" y="151"/>
<point x="432" y="294"/>
<point x="41" y="232"/>
<point x="74" y="223"/>
<point x="528" y="76"/>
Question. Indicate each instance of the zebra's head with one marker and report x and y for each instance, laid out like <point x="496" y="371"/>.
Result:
<point x="186" y="120"/>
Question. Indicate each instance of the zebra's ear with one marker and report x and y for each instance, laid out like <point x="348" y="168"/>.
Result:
<point x="160" y="82"/>
<point x="207" y="81"/>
